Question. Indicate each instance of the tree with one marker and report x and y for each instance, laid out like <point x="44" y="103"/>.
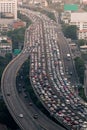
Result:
<point x="70" y="31"/>
<point x="8" y="57"/>
<point x="80" y="68"/>
<point x="3" y="62"/>
<point x="24" y="18"/>
<point x="81" y="42"/>
<point x="49" y="1"/>
<point x="17" y="37"/>
<point x="49" y="14"/>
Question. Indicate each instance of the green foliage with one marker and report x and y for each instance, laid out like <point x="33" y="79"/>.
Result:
<point x="49" y="14"/>
<point x="2" y="65"/>
<point x="70" y="31"/>
<point x="82" y="94"/>
<point x="5" y="117"/>
<point x="24" y="18"/>
<point x="85" y="7"/>
<point x="3" y="62"/>
<point x="84" y="56"/>
<point x="17" y="37"/>
<point x="81" y="42"/>
<point x="80" y="68"/>
<point x="8" y="57"/>
<point x="17" y="34"/>
<point x="49" y="2"/>
<point x="3" y="33"/>
<point x="29" y="88"/>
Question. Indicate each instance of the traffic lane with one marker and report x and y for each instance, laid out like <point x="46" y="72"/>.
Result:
<point x="42" y="119"/>
<point x="15" y="104"/>
<point x="67" y="63"/>
<point x="85" y="82"/>
<point x="35" y="51"/>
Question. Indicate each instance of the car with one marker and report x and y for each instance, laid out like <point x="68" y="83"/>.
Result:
<point x="8" y="94"/>
<point x="25" y="96"/>
<point x="21" y="115"/>
<point x="35" y="116"/>
<point x="30" y="103"/>
<point x="70" y="72"/>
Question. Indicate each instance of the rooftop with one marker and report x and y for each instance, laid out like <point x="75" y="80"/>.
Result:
<point x="83" y="47"/>
<point x="84" y="30"/>
<point x="79" y="17"/>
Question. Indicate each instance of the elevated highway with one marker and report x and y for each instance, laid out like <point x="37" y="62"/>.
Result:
<point x="22" y="115"/>
<point x="47" y="77"/>
<point x="16" y="105"/>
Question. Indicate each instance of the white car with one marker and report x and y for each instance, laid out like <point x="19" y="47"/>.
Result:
<point x="21" y="115"/>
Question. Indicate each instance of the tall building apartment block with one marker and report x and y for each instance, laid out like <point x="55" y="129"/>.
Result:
<point x="8" y="9"/>
<point x="56" y="1"/>
<point x="80" y="20"/>
<point x="73" y="16"/>
<point x="39" y="2"/>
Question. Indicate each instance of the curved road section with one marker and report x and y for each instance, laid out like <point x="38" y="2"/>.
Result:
<point x="48" y="80"/>
<point x="16" y="106"/>
<point x="11" y="98"/>
<point x="23" y="116"/>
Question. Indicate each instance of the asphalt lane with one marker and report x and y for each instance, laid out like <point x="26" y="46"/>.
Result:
<point x="16" y="106"/>
<point x="10" y="93"/>
<point x="64" y="48"/>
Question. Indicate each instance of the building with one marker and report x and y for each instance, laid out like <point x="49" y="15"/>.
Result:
<point x="8" y="10"/>
<point x="4" y="28"/>
<point x="19" y="2"/>
<point x="68" y="9"/>
<point x="18" y="24"/>
<point x="65" y="17"/>
<point x="74" y="16"/>
<point x="39" y="2"/>
<point x="82" y="34"/>
<point x="44" y="3"/>
<point x="80" y="20"/>
<point x="5" y="45"/>
<point x="83" y="49"/>
<point x="56" y="1"/>
<point x="83" y="2"/>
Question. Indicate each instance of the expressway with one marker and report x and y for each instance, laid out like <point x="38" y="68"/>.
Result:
<point x="45" y="45"/>
<point x="48" y="78"/>
<point x="16" y="106"/>
<point x="68" y="64"/>
<point x="85" y="82"/>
